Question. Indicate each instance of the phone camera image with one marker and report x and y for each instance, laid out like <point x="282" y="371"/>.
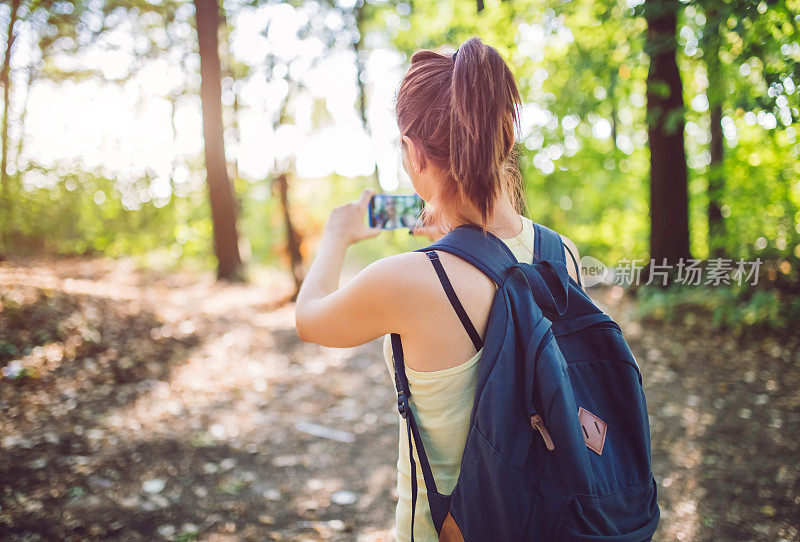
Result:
<point x="393" y="212"/>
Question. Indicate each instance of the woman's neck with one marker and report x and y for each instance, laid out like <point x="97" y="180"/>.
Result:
<point x="505" y="222"/>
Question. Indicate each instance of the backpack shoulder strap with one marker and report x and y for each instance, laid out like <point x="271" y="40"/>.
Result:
<point x="548" y="244"/>
<point x="436" y="504"/>
<point x="486" y="251"/>
<point x="546" y="276"/>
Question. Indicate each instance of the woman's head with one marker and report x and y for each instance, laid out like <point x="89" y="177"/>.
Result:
<point x="456" y="120"/>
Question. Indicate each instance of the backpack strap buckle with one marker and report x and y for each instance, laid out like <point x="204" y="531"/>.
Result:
<point x="402" y="405"/>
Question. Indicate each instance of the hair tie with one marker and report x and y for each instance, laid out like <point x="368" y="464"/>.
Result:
<point x="454" y="54"/>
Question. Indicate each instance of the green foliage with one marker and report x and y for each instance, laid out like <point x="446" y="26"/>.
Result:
<point x="725" y="46"/>
<point x="582" y="63"/>
<point x="772" y="304"/>
<point x="84" y="213"/>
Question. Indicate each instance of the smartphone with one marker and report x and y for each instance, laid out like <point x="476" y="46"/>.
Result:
<point x="393" y="212"/>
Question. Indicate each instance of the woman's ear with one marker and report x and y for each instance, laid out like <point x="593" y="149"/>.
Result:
<point x="412" y="152"/>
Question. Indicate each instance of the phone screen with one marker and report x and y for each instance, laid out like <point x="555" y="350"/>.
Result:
<point x="392" y="212"/>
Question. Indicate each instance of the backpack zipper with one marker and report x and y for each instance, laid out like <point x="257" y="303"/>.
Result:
<point x="538" y="424"/>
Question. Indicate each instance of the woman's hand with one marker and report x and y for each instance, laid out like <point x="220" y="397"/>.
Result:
<point x="348" y="222"/>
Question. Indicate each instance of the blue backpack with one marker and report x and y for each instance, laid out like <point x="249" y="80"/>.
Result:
<point x="559" y="440"/>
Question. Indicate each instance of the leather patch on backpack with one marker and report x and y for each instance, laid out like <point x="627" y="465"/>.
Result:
<point x="594" y="430"/>
<point x="450" y="531"/>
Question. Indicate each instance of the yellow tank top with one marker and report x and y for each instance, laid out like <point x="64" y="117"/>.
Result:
<point x="441" y="402"/>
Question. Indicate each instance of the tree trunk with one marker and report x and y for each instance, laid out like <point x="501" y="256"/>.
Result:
<point x="293" y="239"/>
<point x="358" y="11"/>
<point x="669" y="200"/>
<point x="612" y="98"/>
<point x="223" y="214"/>
<point x="5" y="79"/>
<point x="716" y="96"/>
<point x="23" y="112"/>
<point x="173" y="97"/>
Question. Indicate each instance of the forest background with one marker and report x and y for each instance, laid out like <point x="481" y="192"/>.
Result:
<point x="690" y="155"/>
<point x="167" y="167"/>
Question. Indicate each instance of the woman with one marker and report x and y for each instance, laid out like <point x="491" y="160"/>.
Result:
<point x="457" y="116"/>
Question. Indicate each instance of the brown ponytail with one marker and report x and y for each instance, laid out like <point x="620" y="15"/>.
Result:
<point x="462" y="113"/>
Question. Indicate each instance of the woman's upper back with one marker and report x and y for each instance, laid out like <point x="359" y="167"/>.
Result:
<point x="434" y="338"/>
<point x="443" y="347"/>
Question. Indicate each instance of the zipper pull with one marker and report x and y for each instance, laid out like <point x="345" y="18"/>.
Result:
<point x="538" y="424"/>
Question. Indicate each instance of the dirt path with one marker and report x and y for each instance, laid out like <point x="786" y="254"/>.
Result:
<point x="170" y="407"/>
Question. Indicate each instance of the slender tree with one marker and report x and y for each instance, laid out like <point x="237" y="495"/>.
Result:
<point x="5" y="79"/>
<point x="669" y="200"/>
<point x="23" y="112"/>
<point x="223" y="213"/>
<point x="293" y="237"/>
<point x="358" y="50"/>
<point x="715" y="94"/>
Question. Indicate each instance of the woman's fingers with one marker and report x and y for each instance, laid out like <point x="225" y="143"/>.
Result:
<point x="366" y="195"/>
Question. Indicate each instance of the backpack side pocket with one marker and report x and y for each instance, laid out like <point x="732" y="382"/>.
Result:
<point x="500" y="511"/>
<point x="628" y="515"/>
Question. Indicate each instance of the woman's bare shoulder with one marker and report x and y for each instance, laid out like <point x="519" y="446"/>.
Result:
<point x="405" y="272"/>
